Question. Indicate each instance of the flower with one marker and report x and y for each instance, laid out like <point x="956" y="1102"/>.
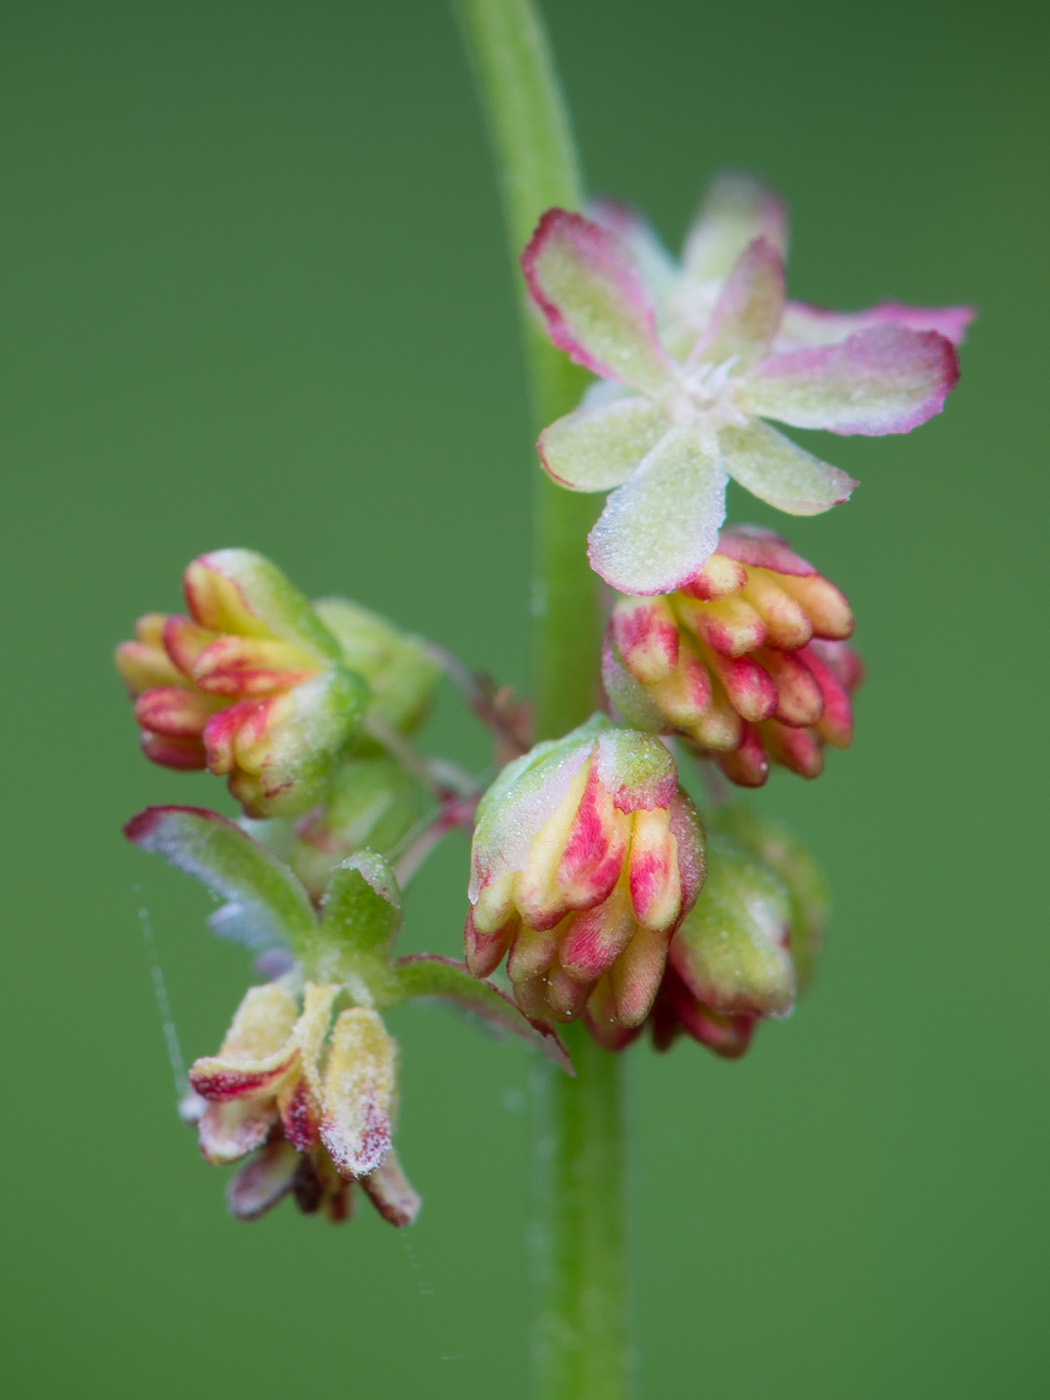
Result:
<point x="747" y="659"/>
<point x="744" y="951"/>
<point x="585" y="859"/>
<point x="317" y="1098"/>
<point x="251" y="685"/>
<point x="697" y="361"/>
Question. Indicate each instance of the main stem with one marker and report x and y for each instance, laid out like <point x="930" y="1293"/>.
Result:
<point x="579" y="1341"/>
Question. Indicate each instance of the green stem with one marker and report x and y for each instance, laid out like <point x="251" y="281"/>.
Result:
<point x="538" y="167"/>
<point x="579" y="1344"/>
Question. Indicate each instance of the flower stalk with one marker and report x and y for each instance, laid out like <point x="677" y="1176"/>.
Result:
<point x="579" y="1345"/>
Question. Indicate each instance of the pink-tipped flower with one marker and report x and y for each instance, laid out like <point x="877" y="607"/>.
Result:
<point x="748" y="660"/>
<point x="250" y="685"/>
<point x="312" y="1097"/>
<point x="586" y="857"/>
<point x="744" y="950"/>
<point x="697" y="360"/>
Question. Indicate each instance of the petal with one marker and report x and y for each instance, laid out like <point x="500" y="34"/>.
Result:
<point x="174" y="712"/>
<point x="656" y="887"/>
<point x="747" y="314"/>
<point x="883" y="380"/>
<point x="645" y="632"/>
<point x="257" y="1050"/>
<point x="658" y="529"/>
<point x="658" y="268"/>
<point x="248" y="666"/>
<point x="301" y="1102"/>
<point x="360" y="1082"/>
<point x="586" y="283"/>
<point x="228" y="1131"/>
<point x="735" y="210"/>
<point x="390" y="1191"/>
<point x="780" y="472"/>
<point x="806" y="325"/>
<point x="596" y="448"/>
<point x="239" y="591"/>
<point x="263" y="1181"/>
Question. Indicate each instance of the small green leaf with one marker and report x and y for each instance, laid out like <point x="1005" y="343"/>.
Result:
<point x="267" y="904"/>
<point x="426" y="975"/>
<point x="361" y="910"/>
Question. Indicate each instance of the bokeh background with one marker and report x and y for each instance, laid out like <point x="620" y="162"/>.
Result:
<point x="255" y="292"/>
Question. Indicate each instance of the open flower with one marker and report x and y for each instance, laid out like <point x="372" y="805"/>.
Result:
<point x="687" y="407"/>
<point x="747" y="659"/>
<point x="251" y="685"/>
<point x="586" y="857"/>
<point x="317" y="1097"/>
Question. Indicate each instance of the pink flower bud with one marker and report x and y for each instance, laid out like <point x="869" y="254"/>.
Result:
<point x="586" y="857"/>
<point x="748" y="659"/>
<point x="251" y="685"/>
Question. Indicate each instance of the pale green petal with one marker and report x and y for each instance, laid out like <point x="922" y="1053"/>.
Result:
<point x="735" y="210"/>
<point x="596" y="448"/>
<point x="659" y="529"/>
<point x="780" y="472"/>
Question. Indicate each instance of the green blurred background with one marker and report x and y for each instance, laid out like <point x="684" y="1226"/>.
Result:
<point x="255" y="292"/>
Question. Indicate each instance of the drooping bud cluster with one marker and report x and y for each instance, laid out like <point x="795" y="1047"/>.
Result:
<point x="744" y="951"/>
<point x="315" y="1096"/>
<point x="747" y="659"/>
<point x="306" y="1078"/>
<point x="586" y="857"/>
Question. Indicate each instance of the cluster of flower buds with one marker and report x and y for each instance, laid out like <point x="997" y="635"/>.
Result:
<point x="259" y="685"/>
<point x="305" y="1083"/>
<point x="747" y="659"/>
<point x="586" y="857"/>
<point x="744" y="951"/>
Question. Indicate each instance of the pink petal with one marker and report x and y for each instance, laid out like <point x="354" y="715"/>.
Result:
<point x="174" y="712"/>
<point x="263" y="1181"/>
<point x="250" y="666"/>
<point x="807" y="325"/>
<point x="747" y="314"/>
<point x="657" y="266"/>
<point x="594" y="449"/>
<point x="586" y="283"/>
<point x="646" y="636"/>
<point x="391" y="1192"/>
<point x="660" y="527"/>
<point x="883" y="380"/>
<point x="761" y="549"/>
<point x="228" y="1131"/>
<point x="780" y="472"/>
<point x="736" y="209"/>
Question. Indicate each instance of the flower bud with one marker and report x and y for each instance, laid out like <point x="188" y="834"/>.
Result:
<point x="783" y="853"/>
<point x="747" y="659"/>
<point x="251" y="685"/>
<point x="745" y="949"/>
<point x="729" y="964"/>
<point x="316" y="1098"/>
<point x="586" y="857"/>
